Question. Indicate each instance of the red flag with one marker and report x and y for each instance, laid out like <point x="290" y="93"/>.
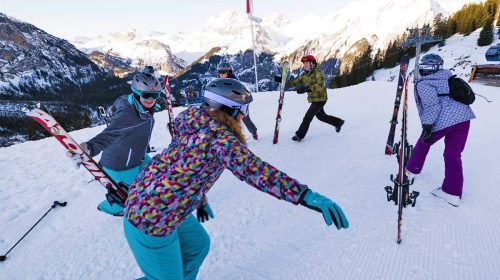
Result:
<point x="249" y="7"/>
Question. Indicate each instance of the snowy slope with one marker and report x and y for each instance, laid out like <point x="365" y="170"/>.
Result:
<point x="255" y="236"/>
<point x="460" y="54"/>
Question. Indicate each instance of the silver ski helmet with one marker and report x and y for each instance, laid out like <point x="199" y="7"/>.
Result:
<point x="146" y="86"/>
<point x="229" y="95"/>
<point x="430" y="64"/>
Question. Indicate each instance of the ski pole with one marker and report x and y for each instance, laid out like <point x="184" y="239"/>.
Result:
<point x="56" y="203"/>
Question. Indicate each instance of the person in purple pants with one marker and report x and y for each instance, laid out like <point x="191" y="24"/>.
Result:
<point x="441" y="117"/>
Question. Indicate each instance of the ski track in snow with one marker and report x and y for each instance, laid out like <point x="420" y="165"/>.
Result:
<point x="255" y="236"/>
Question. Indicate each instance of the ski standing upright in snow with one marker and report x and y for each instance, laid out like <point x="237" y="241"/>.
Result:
<point x="400" y="193"/>
<point x="284" y="73"/>
<point x="403" y="67"/>
<point x="171" y="128"/>
<point x="117" y="193"/>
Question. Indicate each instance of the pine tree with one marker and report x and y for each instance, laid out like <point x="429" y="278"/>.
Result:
<point x="486" y="35"/>
<point x="451" y="27"/>
<point x="440" y="27"/>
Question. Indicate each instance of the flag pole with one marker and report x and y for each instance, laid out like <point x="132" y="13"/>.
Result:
<point x="254" y="59"/>
<point x="252" y="20"/>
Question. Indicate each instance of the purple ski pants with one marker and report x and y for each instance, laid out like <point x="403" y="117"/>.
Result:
<point x="454" y="140"/>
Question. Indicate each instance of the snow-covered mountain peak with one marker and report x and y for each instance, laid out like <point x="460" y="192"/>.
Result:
<point x="228" y="22"/>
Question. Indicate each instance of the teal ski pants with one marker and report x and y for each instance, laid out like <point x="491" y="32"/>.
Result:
<point x="177" y="256"/>
<point x="125" y="176"/>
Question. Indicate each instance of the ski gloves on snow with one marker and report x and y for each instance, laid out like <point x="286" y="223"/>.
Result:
<point x="427" y="133"/>
<point x="204" y="213"/>
<point x="332" y="213"/>
<point x="76" y="158"/>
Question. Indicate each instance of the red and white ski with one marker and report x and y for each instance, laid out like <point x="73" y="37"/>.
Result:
<point x="117" y="193"/>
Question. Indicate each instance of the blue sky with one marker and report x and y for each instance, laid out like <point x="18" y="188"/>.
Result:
<point x="71" y="18"/>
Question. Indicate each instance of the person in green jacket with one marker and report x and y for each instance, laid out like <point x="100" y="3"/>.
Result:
<point x="312" y="81"/>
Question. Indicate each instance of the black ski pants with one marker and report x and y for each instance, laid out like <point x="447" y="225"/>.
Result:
<point x="316" y="110"/>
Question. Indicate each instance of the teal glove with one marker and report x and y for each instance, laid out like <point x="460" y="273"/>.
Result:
<point x="204" y="213"/>
<point x="332" y="213"/>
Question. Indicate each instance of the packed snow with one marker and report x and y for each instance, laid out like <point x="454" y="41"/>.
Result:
<point x="255" y="236"/>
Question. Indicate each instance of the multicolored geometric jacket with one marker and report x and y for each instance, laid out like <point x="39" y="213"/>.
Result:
<point x="439" y="111"/>
<point x="175" y="182"/>
<point x="315" y="81"/>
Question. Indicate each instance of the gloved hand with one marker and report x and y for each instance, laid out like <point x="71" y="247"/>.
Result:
<point x="278" y="79"/>
<point x="75" y="158"/>
<point x="332" y="213"/>
<point x="427" y="133"/>
<point x="302" y="89"/>
<point x="204" y="213"/>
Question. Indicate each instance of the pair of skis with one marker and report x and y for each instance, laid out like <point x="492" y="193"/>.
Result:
<point x="400" y="193"/>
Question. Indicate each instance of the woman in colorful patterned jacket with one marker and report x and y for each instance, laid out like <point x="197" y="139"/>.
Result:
<point x="167" y="241"/>
<point x="441" y="117"/>
<point x="311" y="80"/>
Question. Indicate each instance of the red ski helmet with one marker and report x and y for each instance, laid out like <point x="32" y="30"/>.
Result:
<point x="309" y="58"/>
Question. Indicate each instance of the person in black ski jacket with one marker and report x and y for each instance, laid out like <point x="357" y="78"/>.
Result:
<point x="226" y="71"/>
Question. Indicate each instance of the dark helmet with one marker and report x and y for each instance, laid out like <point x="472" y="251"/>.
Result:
<point x="224" y="66"/>
<point x="148" y="70"/>
<point x="430" y="64"/>
<point x="228" y="94"/>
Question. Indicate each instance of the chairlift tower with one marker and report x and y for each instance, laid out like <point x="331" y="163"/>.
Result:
<point x="417" y="38"/>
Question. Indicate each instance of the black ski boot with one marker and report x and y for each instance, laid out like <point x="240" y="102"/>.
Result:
<point x="296" y="138"/>
<point x="337" y="128"/>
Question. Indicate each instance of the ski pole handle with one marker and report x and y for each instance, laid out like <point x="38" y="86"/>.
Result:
<point x="57" y="203"/>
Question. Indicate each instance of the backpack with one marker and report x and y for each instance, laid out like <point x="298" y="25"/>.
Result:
<point x="460" y="91"/>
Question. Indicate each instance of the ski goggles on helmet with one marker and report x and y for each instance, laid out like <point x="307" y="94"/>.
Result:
<point x="148" y="70"/>
<point x="152" y="95"/>
<point x="243" y="109"/>
<point x="236" y="110"/>
<point x="428" y="69"/>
